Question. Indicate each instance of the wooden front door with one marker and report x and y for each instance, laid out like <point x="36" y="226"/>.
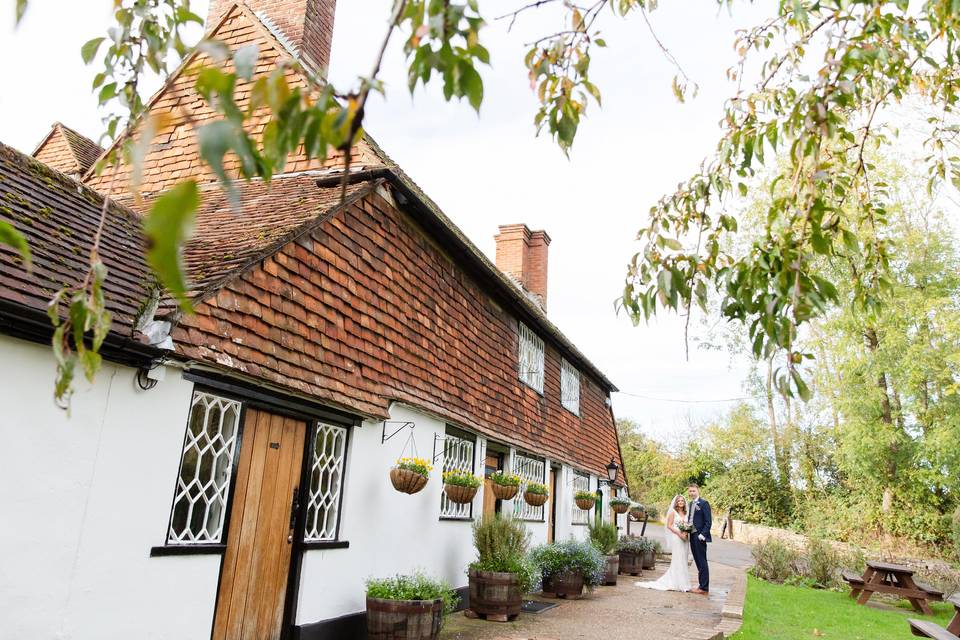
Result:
<point x="256" y="563"/>
<point x="552" y="513"/>
<point x="494" y="462"/>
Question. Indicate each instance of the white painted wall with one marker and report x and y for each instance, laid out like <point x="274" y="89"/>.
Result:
<point x="390" y="532"/>
<point x="83" y="498"/>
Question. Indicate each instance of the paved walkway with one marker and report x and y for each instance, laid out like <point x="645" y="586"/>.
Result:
<point x="624" y="612"/>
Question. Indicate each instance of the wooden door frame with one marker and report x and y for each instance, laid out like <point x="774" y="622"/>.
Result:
<point x="278" y="404"/>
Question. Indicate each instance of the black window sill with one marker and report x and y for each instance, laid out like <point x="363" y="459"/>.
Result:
<point x="325" y="544"/>
<point x="580" y="524"/>
<point x="452" y="519"/>
<point x="188" y="550"/>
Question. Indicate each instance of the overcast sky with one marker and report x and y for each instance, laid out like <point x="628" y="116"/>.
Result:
<point x="491" y="169"/>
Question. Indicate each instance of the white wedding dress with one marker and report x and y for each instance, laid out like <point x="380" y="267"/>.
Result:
<point x="677" y="577"/>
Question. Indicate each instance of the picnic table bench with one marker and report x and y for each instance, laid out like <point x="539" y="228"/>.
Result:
<point x="927" y="629"/>
<point x="894" y="579"/>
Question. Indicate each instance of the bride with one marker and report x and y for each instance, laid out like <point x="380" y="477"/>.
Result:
<point x="676" y="578"/>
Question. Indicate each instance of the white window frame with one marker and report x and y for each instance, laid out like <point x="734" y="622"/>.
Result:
<point x="581" y="482"/>
<point x="458" y="455"/>
<point x="529" y="469"/>
<point x="223" y="450"/>
<point x="323" y="506"/>
<point x="530" y="358"/>
<point x="569" y="387"/>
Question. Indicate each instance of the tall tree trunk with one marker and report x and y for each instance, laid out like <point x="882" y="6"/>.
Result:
<point x="779" y="455"/>
<point x="886" y="415"/>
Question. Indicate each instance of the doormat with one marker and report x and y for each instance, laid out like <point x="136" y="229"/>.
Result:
<point x="535" y="606"/>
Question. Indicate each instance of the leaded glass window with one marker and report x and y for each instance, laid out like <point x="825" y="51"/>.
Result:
<point x="581" y="482"/>
<point x="457" y="456"/>
<point x="530" y="470"/>
<point x="530" y="358"/>
<point x="326" y="481"/>
<point x="206" y="465"/>
<point x="570" y="387"/>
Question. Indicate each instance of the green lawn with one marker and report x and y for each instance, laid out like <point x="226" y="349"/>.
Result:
<point x="780" y="612"/>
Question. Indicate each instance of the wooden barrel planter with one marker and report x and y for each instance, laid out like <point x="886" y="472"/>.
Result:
<point x="459" y="494"/>
<point x="610" y="570"/>
<point x="494" y="595"/>
<point x="407" y="481"/>
<point x="568" y="584"/>
<point x="631" y="563"/>
<point x="535" y="499"/>
<point x="586" y="503"/>
<point x="649" y="559"/>
<point x="404" y="619"/>
<point x="504" y="491"/>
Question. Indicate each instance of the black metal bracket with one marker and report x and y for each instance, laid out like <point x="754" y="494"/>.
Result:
<point x="438" y="438"/>
<point x="403" y="425"/>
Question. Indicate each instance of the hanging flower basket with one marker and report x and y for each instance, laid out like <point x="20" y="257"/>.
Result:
<point x="636" y="515"/>
<point x="505" y="486"/>
<point x="536" y="494"/>
<point x="410" y="475"/>
<point x="585" y="500"/>
<point x="460" y="486"/>
<point x="619" y="505"/>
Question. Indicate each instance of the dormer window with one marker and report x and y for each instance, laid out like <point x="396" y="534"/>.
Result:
<point x="530" y="358"/>
<point x="570" y="387"/>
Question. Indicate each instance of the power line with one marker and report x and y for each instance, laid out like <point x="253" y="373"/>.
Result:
<point x="686" y="401"/>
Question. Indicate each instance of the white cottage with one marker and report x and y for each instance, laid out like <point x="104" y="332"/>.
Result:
<point x="226" y="475"/>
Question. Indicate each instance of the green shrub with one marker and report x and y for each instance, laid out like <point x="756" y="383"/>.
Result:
<point x="774" y="561"/>
<point x="560" y="557"/>
<point x="604" y="537"/>
<point x="537" y="488"/>
<point x="823" y="564"/>
<point x="501" y="545"/>
<point x="461" y="479"/>
<point x="505" y="479"/>
<point x="631" y="544"/>
<point x="413" y="587"/>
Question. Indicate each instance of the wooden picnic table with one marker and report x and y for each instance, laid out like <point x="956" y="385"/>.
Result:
<point x="927" y="629"/>
<point x="894" y="579"/>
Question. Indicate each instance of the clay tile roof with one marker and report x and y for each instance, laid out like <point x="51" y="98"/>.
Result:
<point x="59" y="218"/>
<point x="66" y="150"/>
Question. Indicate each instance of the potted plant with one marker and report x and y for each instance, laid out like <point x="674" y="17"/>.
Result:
<point x="636" y="512"/>
<point x="460" y="486"/>
<point x="620" y="505"/>
<point x="501" y="574"/>
<point x="650" y="550"/>
<point x="566" y="567"/>
<point x="630" y="551"/>
<point x="604" y="538"/>
<point x="536" y="494"/>
<point x="410" y="475"/>
<point x="585" y="499"/>
<point x="505" y="485"/>
<point x="407" y="607"/>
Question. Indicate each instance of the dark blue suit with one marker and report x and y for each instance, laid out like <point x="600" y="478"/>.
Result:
<point x="702" y="521"/>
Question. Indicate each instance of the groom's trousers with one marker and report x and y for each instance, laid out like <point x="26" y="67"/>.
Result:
<point x="699" y="551"/>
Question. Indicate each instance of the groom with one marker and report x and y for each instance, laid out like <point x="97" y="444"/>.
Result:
<point x="698" y="515"/>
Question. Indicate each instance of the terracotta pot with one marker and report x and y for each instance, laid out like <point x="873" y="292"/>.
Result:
<point x="568" y="584"/>
<point x="649" y="559"/>
<point x="586" y="503"/>
<point x="504" y="491"/>
<point x="535" y="499"/>
<point x="494" y="593"/>
<point x="619" y="507"/>
<point x="459" y="494"/>
<point x="406" y="481"/>
<point x="631" y="563"/>
<point x="610" y="570"/>
<point x="404" y="619"/>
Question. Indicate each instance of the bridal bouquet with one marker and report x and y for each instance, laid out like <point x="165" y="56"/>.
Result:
<point x="685" y="527"/>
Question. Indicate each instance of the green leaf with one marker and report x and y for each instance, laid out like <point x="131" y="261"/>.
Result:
<point x="13" y="238"/>
<point x="472" y="85"/>
<point x="89" y="50"/>
<point x="245" y="60"/>
<point x="168" y="226"/>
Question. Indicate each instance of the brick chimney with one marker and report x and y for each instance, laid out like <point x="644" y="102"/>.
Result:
<point x="306" y="25"/>
<point x="522" y="255"/>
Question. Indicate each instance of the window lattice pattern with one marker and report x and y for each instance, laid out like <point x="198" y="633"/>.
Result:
<point x="581" y="482"/>
<point x="205" y="469"/>
<point x="326" y="480"/>
<point x="530" y="358"/>
<point x="570" y="387"/>
<point x="457" y="455"/>
<point x="529" y="470"/>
